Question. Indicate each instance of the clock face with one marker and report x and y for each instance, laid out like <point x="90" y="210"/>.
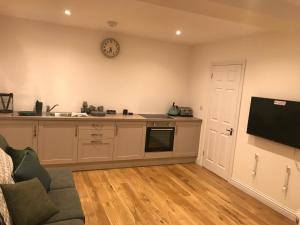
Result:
<point x="110" y="47"/>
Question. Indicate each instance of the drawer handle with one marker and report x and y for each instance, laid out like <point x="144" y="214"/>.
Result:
<point x="96" y="135"/>
<point x="99" y="142"/>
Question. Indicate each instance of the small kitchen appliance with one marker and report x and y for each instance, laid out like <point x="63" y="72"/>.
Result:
<point x="174" y="110"/>
<point x="185" y="111"/>
<point x="7" y="102"/>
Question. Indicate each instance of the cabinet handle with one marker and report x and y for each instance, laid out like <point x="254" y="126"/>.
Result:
<point x="117" y="130"/>
<point x="76" y="131"/>
<point x="286" y="179"/>
<point x="99" y="142"/>
<point x="34" y="131"/>
<point x="255" y="165"/>
<point x="94" y="135"/>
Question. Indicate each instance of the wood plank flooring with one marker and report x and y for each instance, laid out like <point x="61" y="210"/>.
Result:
<point x="183" y="194"/>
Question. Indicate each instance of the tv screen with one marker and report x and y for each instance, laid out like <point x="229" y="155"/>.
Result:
<point x="277" y="120"/>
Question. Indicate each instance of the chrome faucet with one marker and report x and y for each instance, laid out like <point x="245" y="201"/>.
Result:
<point x="50" y="109"/>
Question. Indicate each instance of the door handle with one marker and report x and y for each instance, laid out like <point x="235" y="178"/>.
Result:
<point x="230" y="131"/>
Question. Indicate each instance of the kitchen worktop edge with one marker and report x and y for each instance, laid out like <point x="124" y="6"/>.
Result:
<point x="117" y="117"/>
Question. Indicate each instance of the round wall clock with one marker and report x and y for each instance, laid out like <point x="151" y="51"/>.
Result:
<point x="110" y="47"/>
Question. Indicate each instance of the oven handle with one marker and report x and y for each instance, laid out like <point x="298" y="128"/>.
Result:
<point x="162" y="129"/>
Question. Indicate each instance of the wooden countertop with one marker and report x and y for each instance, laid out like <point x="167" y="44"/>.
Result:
<point x="117" y="117"/>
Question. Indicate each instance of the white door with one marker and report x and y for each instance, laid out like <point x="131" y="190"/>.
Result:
<point x="225" y="93"/>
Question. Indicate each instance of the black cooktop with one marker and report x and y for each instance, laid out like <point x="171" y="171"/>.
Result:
<point x="155" y="116"/>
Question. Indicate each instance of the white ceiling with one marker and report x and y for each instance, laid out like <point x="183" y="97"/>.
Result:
<point x="200" y="20"/>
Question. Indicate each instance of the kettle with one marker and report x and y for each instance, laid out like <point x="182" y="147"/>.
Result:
<point x="174" y="110"/>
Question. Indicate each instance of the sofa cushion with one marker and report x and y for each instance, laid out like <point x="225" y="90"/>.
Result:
<point x="68" y="222"/>
<point x="18" y="155"/>
<point x="30" y="168"/>
<point x="3" y="143"/>
<point x="6" y="167"/>
<point x="68" y="203"/>
<point x="28" y="202"/>
<point x="61" y="178"/>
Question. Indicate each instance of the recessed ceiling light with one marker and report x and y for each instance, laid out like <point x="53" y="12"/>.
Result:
<point x="178" y="32"/>
<point x="112" y="23"/>
<point x="68" y="12"/>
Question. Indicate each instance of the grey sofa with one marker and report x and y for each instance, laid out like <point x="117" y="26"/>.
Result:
<point x="63" y="193"/>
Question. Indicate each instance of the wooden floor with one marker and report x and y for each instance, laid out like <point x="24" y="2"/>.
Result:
<point x="174" y="194"/>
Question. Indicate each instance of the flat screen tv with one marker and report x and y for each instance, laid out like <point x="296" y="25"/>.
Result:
<point x="277" y="120"/>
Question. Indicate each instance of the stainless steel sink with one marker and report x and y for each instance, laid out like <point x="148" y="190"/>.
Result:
<point x="61" y="114"/>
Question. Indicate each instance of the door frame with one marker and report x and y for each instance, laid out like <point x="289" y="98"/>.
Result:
<point x="243" y="64"/>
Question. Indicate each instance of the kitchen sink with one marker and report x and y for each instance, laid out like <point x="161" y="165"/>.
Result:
<point x="61" y="114"/>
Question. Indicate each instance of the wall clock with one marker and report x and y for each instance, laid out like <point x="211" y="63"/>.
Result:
<point x="110" y="47"/>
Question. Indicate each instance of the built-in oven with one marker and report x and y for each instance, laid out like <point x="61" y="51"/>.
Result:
<point x="160" y="137"/>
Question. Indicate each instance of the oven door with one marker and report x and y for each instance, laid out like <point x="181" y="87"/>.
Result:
<point x="159" y="139"/>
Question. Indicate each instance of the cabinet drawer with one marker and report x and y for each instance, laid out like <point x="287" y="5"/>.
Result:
<point x="97" y="126"/>
<point x="95" y="150"/>
<point x="96" y="134"/>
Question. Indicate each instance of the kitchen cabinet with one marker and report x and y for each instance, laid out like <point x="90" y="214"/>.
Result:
<point x="20" y="134"/>
<point x="96" y="142"/>
<point x="186" y="141"/>
<point x="57" y="142"/>
<point x="130" y="140"/>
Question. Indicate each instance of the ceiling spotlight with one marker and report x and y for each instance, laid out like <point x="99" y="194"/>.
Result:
<point x="68" y="12"/>
<point x="178" y="32"/>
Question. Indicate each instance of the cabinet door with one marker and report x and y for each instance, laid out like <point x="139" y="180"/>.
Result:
<point x="95" y="150"/>
<point x="20" y="134"/>
<point x="187" y="137"/>
<point x="57" y="142"/>
<point x="130" y="140"/>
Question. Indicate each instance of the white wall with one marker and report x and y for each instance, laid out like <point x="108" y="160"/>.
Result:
<point x="273" y="70"/>
<point x="58" y="64"/>
<point x="64" y="65"/>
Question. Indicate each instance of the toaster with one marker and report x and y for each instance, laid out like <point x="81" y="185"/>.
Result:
<point x="186" y="111"/>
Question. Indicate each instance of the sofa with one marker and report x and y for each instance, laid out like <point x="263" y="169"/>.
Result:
<point x="64" y="195"/>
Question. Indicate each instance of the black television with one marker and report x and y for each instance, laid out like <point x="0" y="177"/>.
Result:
<point x="277" y="120"/>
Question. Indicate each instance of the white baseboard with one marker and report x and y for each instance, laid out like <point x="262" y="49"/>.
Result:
<point x="289" y="213"/>
<point x="198" y="162"/>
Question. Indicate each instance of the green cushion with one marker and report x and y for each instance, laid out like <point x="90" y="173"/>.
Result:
<point x="60" y="178"/>
<point x="3" y="143"/>
<point x="30" y="168"/>
<point x="68" y="202"/>
<point x="68" y="222"/>
<point x="28" y="202"/>
<point x="18" y="155"/>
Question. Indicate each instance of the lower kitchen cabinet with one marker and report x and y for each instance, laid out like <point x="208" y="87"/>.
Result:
<point x="95" y="150"/>
<point x="57" y="142"/>
<point x="129" y="140"/>
<point x="20" y="134"/>
<point x="96" y="142"/>
<point x="186" y="141"/>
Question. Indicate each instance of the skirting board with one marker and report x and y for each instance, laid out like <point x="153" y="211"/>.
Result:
<point x="124" y="164"/>
<point x="289" y="213"/>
